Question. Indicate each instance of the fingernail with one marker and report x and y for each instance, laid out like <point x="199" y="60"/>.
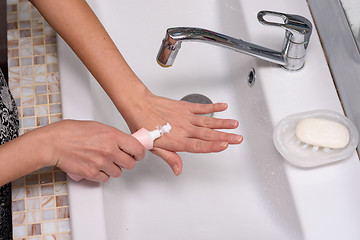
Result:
<point x="238" y="138"/>
<point x="175" y="169"/>
<point x="224" y="144"/>
<point x="235" y="123"/>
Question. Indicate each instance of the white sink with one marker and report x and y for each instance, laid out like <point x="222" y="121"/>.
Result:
<point x="246" y="192"/>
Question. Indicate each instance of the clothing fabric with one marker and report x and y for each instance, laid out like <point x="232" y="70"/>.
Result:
<point x="9" y="126"/>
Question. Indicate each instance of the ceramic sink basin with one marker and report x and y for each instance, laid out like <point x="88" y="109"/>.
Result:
<point x="246" y="192"/>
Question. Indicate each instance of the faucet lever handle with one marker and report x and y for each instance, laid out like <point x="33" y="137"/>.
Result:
<point x="298" y="28"/>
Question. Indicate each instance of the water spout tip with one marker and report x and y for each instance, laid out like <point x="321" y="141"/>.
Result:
<point x="162" y="64"/>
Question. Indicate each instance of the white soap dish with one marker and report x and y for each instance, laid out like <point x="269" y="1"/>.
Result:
<point x="305" y="155"/>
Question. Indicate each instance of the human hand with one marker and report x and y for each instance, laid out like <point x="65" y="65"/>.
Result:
<point x="190" y="132"/>
<point x="91" y="149"/>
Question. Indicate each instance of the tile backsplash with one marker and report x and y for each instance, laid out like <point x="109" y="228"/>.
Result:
<point x="40" y="199"/>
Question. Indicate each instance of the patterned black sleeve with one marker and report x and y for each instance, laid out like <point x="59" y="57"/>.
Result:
<point x="9" y="126"/>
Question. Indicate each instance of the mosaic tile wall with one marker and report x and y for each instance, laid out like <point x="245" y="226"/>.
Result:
<point x="40" y="199"/>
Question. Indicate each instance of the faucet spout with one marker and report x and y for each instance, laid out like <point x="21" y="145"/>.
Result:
<point x="175" y="36"/>
<point x="292" y="56"/>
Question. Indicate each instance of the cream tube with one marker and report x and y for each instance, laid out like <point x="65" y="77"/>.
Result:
<point x="145" y="137"/>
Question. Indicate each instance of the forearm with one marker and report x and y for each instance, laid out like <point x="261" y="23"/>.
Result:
<point x="84" y="148"/>
<point x="80" y="28"/>
<point x="22" y="156"/>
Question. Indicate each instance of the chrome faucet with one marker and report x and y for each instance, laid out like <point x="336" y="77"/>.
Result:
<point x="292" y="57"/>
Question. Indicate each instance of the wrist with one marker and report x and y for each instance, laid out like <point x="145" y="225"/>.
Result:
<point x="133" y="95"/>
<point x="135" y="108"/>
<point x="42" y="141"/>
<point x="133" y="100"/>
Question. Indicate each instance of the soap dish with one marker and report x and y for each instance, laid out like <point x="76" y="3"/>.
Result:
<point x="304" y="155"/>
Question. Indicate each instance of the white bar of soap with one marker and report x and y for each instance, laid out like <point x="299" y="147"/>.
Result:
<point x="323" y="133"/>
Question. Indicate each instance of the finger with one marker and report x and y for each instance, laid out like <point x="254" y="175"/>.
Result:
<point x="118" y="171"/>
<point x="111" y="169"/>
<point x="75" y="177"/>
<point x="99" y="177"/>
<point x="131" y="146"/>
<point x="216" y="136"/>
<point x="200" y="146"/>
<point x="199" y="108"/>
<point x="124" y="160"/>
<point x="107" y="162"/>
<point x="171" y="158"/>
<point x="214" y="123"/>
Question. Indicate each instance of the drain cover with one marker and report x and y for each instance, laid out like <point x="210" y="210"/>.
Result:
<point x="198" y="98"/>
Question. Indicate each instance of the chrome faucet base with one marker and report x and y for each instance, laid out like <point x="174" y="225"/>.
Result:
<point x="292" y="57"/>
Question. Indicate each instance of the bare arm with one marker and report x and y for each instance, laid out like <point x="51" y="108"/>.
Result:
<point x="81" y="29"/>
<point x="21" y="156"/>
<point x="85" y="148"/>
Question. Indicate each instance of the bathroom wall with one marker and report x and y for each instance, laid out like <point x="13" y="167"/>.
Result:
<point x="40" y="199"/>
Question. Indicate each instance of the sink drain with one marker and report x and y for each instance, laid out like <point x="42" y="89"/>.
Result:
<point x="251" y="77"/>
<point x="198" y="98"/>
